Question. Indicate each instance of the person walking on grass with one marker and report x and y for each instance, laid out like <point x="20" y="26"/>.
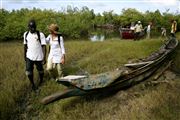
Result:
<point x="34" y="52"/>
<point x="56" y="57"/>
<point x="163" y="33"/>
<point x="173" y="27"/>
<point x="148" y="30"/>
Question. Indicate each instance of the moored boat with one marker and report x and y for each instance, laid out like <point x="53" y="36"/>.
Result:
<point x="127" y="33"/>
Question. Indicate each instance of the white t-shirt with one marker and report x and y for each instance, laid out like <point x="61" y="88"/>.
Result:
<point x="56" y="50"/>
<point x="138" y="28"/>
<point x="148" y="28"/>
<point x="34" y="48"/>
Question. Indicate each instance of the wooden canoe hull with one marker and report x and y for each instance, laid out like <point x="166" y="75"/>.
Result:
<point x="124" y="80"/>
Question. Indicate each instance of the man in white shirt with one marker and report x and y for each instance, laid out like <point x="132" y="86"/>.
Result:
<point x="34" y="52"/>
<point x="137" y="30"/>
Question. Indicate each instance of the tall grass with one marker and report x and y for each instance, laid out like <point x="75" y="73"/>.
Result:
<point x="99" y="57"/>
<point x="93" y="57"/>
<point x="13" y="81"/>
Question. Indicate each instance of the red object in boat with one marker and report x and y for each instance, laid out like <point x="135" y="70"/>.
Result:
<point x="126" y="33"/>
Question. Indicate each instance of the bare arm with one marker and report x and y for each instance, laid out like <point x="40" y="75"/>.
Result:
<point x="63" y="59"/>
<point x="25" y="51"/>
<point x="63" y="50"/>
<point x="44" y="52"/>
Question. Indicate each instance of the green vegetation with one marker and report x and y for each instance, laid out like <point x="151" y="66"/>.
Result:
<point x="77" y="23"/>
<point x="13" y="83"/>
<point x="17" y="100"/>
<point x="97" y="57"/>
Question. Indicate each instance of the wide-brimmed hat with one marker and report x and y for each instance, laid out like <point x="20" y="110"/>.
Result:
<point x="54" y="28"/>
<point x="139" y="21"/>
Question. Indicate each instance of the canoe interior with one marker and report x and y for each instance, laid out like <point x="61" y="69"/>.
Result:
<point x="106" y="79"/>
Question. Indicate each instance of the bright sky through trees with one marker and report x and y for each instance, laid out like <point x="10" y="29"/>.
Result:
<point x="99" y="6"/>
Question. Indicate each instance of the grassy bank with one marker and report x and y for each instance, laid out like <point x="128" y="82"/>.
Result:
<point x="13" y="81"/>
<point x="17" y="100"/>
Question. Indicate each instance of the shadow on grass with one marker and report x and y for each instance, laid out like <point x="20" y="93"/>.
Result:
<point x="92" y="97"/>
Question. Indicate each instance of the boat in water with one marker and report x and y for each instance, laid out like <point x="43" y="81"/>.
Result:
<point x="127" y="33"/>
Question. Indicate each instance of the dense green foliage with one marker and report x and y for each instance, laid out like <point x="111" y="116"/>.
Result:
<point x="76" y="23"/>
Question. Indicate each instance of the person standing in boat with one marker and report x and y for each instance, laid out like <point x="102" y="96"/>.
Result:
<point x="173" y="27"/>
<point x="137" y="30"/>
<point x="163" y="33"/>
<point x="56" y="55"/>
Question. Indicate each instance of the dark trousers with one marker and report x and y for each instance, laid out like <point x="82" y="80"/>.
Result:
<point x="29" y="70"/>
<point x="30" y="66"/>
<point x="137" y="36"/>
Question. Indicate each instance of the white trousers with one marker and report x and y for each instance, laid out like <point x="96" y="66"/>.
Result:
<point x="56" y="66"/>
<point x="148" y="34"/>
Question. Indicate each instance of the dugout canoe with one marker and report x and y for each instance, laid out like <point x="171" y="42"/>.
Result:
<point x="120" y="78"/>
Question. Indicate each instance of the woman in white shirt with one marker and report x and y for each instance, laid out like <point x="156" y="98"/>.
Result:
<point x="56" y="55"/>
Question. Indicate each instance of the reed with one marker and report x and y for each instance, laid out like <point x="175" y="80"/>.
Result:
<point x="17" y="101"/>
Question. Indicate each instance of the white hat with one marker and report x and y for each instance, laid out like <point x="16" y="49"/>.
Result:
<point x="139" y="21"/>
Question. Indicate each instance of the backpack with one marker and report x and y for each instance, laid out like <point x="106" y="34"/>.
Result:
<point x="38" y="34"/>
<point x="59" y="35"/>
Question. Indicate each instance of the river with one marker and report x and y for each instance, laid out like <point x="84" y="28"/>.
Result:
<point x="103" y="34"/>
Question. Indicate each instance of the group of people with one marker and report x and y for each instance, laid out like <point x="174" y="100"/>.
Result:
<point x="35" y="51"/>
<point x="139" y="31"/>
